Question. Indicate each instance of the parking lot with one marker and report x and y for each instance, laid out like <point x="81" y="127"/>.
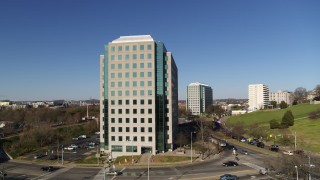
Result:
<point x="82" y="149"/>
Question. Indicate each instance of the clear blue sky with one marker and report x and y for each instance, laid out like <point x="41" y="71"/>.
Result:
<point x="50" y="49"/>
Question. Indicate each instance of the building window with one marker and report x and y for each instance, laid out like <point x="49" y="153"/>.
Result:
<point x="141" y="74"/>
<point x="113" y="138"/>
<point x="134" y="111"/>
<point x="142" y="120"/>
<point x="127" y="57"/>
<point x="119" y="84"/>
<point x="142" y="139"/>
<point x="149" y="120"/>
<point x="112" y="66"/>
<point x="127" y="111"/>
<point x="119" y="111"/>
<point x="134" y="47"/>
<point x="120" y="138"/>
<point x="112" y="48"/>
<point x="149" y="56"/>
<point x="134" y="56"/>
<point x="127" y="93"/>
<point x="119" y="93"/>
<point x="113" y="129"/>
<point x="149" y="47"/>
<point x="134" y="83"/>
<point x="150" y="138"/>
<point x="142" y="83"/>
<point x="112" y="75"/>
<point x="119" y="57"/>
<point x="119" y="129"/>
<point x="149" y="129"/>
<point x="141" y="111"/>
<point x="127" y="129"/>
<point x="119" y="48"/>
<point x="120" y="120"/>
<point x="141" y="56"/>
<point x="149" y="92"/>
<point x="127" y="120"/>
<point x="135" y="139"/>
<point x="127" y="83"/>
<point x="149" y="74"/>
<point x="149" y="65"/>
<point x="127" y="102"/>
<point x="134" y="65"/>
<point x="113" y="111"/>
<point x="135" y="129"/>
<point x="134" y="92"/>
<point x="127" y="75"/>
<point x="141" y="92"/>
<point x="134" y="102"/>
<point x="127" y="138"/>
<point x="112" y="84"/>
<point x="149" y="83"/>
<point x="112" y="57"/>
<point x="112" y="120"/>
<point x="131" y="148"/>
<point x="141" y="65"/>
<point x="149" y="101"/>
<point x="119" y="75"/>
<point x="127" y="48"/>
<point x="142" y="101"/>
<point x="134" y="74"/>
<point x="112" y="102"/>
<point x="149" y="111"/>
<point x="119" y="102"/>
<point x="135" y="120"/>
<point x="116" y="148"/>
<point x="127" y="65"/>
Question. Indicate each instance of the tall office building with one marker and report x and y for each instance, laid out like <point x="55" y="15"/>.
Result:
<point x="199" y="97"/>
<point x="258" y="95"/>
<point x="279" y="96"/>
<point x="139" y="97"/>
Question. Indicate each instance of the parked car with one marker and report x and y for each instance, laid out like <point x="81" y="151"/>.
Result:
<point x="290" y="153"/>
<point x="228" y="177"/>
<point x="74" y="146"/>
<point x="230" y="163"/>
<point x="83" y="136"/>
<point x="260" y="144"/>
<point x="114" y="173"/>
<point x="243" y="140"/>
<point x="245" y="152"/>
<point x="75" y="139"/>
<point x="263" y="171"/>
<point x="274" y="148"/>
<point x="48" y="168"/>
<point x="98" y="132"/>
<point x="38" y="156"/>
<point x="53" y="157"/>
<point x="70" y="148"/>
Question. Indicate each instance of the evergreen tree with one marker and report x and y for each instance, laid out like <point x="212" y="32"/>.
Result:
<point x="287" y="119"/>
<point x="274" y="124"/>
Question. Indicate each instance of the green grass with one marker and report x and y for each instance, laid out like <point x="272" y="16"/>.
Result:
<point x="264" y="116"/>
<point x="126" y="159"/>
<point x="90" y="160"/>
<point x="170" y="159"/>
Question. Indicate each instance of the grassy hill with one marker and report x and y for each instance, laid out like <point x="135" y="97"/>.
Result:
<point x="264" y="116"/>
<point x="308" y="130"/>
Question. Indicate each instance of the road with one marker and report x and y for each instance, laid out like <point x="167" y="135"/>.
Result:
<point x="212" y="169"/>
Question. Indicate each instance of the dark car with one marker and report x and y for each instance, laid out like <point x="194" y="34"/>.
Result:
<point x="260" y="144"/>
<point x="48" y="168"/>
<point x="53" y="157"/>
<point x="230" y="163"/>
<point x="228" y="177"/>
<point x="274" y="148"/>
<point x="38" y="156"/>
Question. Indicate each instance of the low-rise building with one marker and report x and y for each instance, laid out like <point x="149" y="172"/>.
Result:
<point x="279" y="96"/>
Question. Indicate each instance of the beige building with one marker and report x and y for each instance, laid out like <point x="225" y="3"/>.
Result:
<point x="139" y="97"/>
<point x="258" y="95"/>
<point x="199" y="97"/>
<point x="279" y="96"/>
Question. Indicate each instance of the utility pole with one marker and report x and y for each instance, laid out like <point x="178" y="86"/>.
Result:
<point x="309" y="178"/>
<point x="295" y="141"/>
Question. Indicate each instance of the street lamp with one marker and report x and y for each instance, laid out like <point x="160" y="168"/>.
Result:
<point x="297" y="172"/>
<point x="191" y="145"/>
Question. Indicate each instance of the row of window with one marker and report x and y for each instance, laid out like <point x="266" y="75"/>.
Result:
<point x="127" y="57"/>
<point x="128" y="48"/>
<point x="134" y="93"/>
<point x="134" y="102"/>
<point x="134" y="111"/>
<point x="134" y="83"/>
<point x="134" y="65"/>
<point x="134" y="129"/>
<point x="127" y="74"/>
<point x="134" y="120"/>
<point x="135" y="138"/>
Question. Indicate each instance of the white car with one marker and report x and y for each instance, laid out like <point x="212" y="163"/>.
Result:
<point x="74" y="146"/>
<point x="98" y="132"/>
<point x="290" y="153"/>
<point x="69" y="148"/>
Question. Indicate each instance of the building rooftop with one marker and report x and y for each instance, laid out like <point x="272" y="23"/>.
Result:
<point x="138" y="38"/>
<point x="197" y="84"/>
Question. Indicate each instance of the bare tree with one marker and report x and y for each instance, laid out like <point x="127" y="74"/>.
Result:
<point x="300" y="94"/>
<point x="181" y="139"/>
<point x="317" y="90"/>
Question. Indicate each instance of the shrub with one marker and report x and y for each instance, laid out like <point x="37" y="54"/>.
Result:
<point x="274" y="124"/>
<point x="315" y="114"/>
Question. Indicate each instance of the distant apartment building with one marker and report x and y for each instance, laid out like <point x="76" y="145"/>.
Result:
<point x="199" y="97"/>
<point x="279" y="96"/>
<point x="139" y="97"/>
<point x="258" y="95"/>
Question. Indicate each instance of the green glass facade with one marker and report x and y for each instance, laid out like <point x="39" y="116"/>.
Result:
<point x="105" y="101"/>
